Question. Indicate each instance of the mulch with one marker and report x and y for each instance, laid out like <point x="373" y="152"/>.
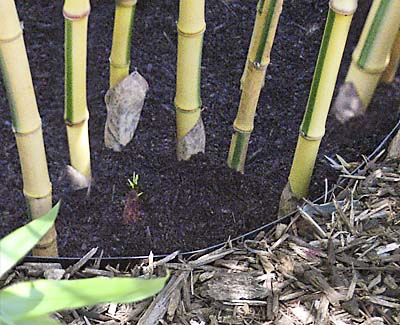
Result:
<point x="194" y="204"/>
<point x="335" y="263"/>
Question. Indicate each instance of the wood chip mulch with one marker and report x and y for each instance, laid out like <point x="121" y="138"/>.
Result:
<point x="333" y="263"/>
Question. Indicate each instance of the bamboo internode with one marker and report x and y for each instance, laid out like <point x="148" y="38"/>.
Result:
<point x="191" y="27"/>
<point x="372" y="53"/>
<point x="390" y="71"/>
<point x="258" y="58"/>
<point x="26" y="121"/>
<point x="76" y="114"/>
<point x="313" y="125"/>
<point x="121" y="43"/>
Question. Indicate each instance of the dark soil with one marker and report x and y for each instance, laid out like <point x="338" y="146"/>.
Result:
<point x="185" y="205"/>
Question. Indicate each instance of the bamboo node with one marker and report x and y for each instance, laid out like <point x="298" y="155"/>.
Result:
<point x="190" y="34"/>
<point x="236" y="129"/>
<point x="12" y="38"/>
<point x="27" y="133"/>
<point x="37" y="196"/>
<point x="311" y="138"/>
<point x="370" y="69"/>
<point x="75" y="124"/>
<point x="74" y="17"/>
<point x="343" y="7"/>
<point x="45" y="245"/>
<point x="119" y="65"/>
<point x="187" y="110"/>
<point x="126" y="3"/>
<point x="257" y="65"/>
<point x="259" y="9"/>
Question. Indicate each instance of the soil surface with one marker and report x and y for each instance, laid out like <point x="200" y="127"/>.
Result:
<point x="185" y="205"/>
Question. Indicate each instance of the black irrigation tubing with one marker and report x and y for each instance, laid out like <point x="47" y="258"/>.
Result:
<point x="130" y="259"/>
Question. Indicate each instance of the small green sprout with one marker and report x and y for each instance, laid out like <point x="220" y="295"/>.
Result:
<point x="134" y="183"/>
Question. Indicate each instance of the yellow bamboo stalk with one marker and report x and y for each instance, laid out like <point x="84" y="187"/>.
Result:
<point x="191" y="27"/>
<point x="390" y="71"/>
<point x="76" y="13"/>
<point x="313" y="125"/>
<point x="258" y="58"/>
<point x="121" y="43"/>
<point x="372" y="53"/>
<point x="27" y="125"/>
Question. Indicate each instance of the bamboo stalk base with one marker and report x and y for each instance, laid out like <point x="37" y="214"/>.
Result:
<point x="390" y="71"/>
<point x="288" y="201"/>
<point x="238" y="150"/>
<point x="394" y="148"/>
<point x="47" y="246"/>
<point x="118" y="73"/>
<point x="192" y="143"/>
<point x="364" y="82"/>
<point x="79" y="148"/>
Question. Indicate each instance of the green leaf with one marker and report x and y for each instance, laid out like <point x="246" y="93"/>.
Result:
<point x="25" y="300"/>
<point x="42" y="320"/>
<point x="16" y="245"/>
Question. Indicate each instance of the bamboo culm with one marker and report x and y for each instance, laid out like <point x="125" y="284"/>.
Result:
<point x="190" y="130"/>
<point x="371" y="56"/>
<point x="121" y="42"/>
<point x="313" y="125"/>
<point x="258" y="58"/>
<point x="76" y="13"/>
<point x="390" y="71"/>
<point x="26" y="122"/>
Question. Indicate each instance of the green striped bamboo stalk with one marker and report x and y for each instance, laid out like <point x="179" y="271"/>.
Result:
<point x="371" y="55"/>
<point x="313" y="125"/>
<point x="190" y="130"/>
<point x="258" y="58"/>
<point x="76" y="13"/>
<point x="26" y="121"/>
<point x="121" y="43"/>
<point x="390" y="71"/>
